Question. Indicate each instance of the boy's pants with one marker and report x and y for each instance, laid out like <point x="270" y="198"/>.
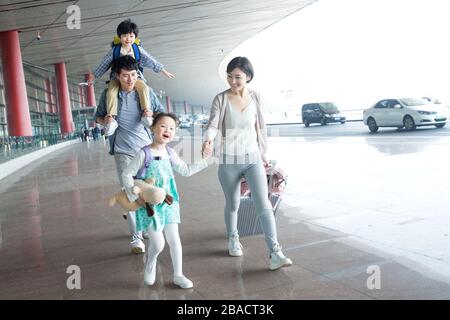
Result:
<point x="113" y="91"/>
<point x="122" y="161"/>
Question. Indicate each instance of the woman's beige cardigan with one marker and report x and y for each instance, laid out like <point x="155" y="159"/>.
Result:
<point x="216" y="122"/>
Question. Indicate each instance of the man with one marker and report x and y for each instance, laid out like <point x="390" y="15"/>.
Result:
<point x="131" y="134"/>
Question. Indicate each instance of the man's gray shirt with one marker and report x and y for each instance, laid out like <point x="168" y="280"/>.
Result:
<point x="131" y="135"/>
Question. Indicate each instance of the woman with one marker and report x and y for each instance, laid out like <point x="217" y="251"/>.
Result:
<point x="237" y="125"/>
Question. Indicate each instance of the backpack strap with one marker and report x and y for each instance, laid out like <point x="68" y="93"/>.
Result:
<point x="147" y="159"/>
<point x="116" y="51"/>
<point x="171" y="153"/>
<point x="137" y="55"/>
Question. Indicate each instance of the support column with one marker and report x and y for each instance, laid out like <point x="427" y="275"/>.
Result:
<point x="90" y="94"/>
<point x="81" y="95"/>
<point x="185" y="107"/>
<point x="65" y="111"/>
<point x="48" y="95"/>
<point x="168" y="104"/>
<point x="17" y="108"/>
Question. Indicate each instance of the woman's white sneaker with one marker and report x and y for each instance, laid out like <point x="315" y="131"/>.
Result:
<point x="279" y="260"/>
<point x="234" y="247"/>
<point x="182" y="282"/>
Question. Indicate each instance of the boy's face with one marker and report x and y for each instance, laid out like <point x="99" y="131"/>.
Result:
<point x="164" y="130"/>
<point x="127" y="79"/>
<point x="127" y="39"/>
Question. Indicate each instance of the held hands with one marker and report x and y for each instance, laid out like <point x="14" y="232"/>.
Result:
<point x="206" y="149"/>
<point x="167" y="73"/>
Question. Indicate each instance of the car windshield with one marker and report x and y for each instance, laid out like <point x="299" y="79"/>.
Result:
<point x="410" y="102"/>
<point x="329" y="107"/>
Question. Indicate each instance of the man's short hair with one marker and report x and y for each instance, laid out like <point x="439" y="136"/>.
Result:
<point x="125" y="62"/>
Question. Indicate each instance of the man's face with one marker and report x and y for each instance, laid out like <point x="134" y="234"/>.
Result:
<point x="127" y="79"/>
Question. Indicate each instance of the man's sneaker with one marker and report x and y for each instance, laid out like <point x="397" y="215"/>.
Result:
<point x="147" y="121"/>
<point x="150" y="273"/>
<point x="234" y="247"/>
<point x="279" y="260"/>
<point x="183" y="282"/>
<point x="111" y="128"/>
<point x="137" y="246"/>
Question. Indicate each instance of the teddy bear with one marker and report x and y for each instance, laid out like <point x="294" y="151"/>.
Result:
<point x="146" y="190"/>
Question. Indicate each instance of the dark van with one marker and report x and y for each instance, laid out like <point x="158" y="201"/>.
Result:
<point x="323" y="113"/>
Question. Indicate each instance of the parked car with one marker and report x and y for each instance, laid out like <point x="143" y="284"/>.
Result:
<point x="407" y="113"/>
<point x="185" y="124"/>
<point x="322" y="112"/>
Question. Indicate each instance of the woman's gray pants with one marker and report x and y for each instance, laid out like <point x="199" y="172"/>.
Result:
<point x="231" y="169"/>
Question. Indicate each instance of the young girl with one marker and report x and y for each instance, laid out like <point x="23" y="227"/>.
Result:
<point x="166" y="217"/>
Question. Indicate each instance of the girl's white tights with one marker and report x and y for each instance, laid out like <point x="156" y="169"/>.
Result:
<point x="156" y="245"/>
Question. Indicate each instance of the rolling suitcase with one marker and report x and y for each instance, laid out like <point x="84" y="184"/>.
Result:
<point x="248" y="220"/>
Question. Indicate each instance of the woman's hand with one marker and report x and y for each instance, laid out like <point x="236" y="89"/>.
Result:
<point x="206" y="149"/>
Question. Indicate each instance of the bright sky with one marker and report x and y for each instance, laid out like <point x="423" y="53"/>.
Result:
<point x="354" y="52"/>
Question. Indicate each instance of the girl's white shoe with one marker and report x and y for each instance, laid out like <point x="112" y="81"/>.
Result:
<point x="182" y="282"/>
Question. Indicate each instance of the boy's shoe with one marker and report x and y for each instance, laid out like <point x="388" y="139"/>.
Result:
<point x="234" y="247"/>
<point x="150" y="273"/>
<point x="147" y="121"/>
<point x="111" y="128"/>
<point x="137" y="246"/>
<point x="279" y="260"/>
<point x="183" y="282"/>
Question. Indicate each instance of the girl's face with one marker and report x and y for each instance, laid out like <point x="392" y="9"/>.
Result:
<point x="127" y="39"/>
<point x="237" y="79"/>
<point x="164" y="130"/>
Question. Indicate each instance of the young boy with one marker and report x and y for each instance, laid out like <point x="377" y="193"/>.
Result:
<point x="126" y="43"/>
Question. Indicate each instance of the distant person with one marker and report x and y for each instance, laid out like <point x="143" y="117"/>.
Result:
<point x="95" y="133"/>
<point x="131" y="134"/>
<point x="237" y="124"/>
<point x="126" y="43"/>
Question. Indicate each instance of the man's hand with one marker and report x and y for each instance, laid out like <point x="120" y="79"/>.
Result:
<point x="108" y="119"/>
<point x="147" y="113"/>
<point x="90" y="79"/>
<point x="167" y="74"/>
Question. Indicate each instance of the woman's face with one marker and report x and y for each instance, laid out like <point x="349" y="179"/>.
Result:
<point x="237" y="79"/>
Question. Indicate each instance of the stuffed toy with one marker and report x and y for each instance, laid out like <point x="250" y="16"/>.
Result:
<point x="146" y="190"/>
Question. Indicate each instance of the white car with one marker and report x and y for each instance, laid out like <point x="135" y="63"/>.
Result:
<point x="407" y="113"/>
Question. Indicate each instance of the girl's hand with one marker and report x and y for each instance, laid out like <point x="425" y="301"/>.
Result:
<point x="140" y="201"/>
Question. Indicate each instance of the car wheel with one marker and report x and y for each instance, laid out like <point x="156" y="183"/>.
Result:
<point x="372" y="124"/>
<point x="342" y="122"/>
<point x="306" y="123"/>
<point x="409" y="124"/>
<point x="440" y="125"/>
